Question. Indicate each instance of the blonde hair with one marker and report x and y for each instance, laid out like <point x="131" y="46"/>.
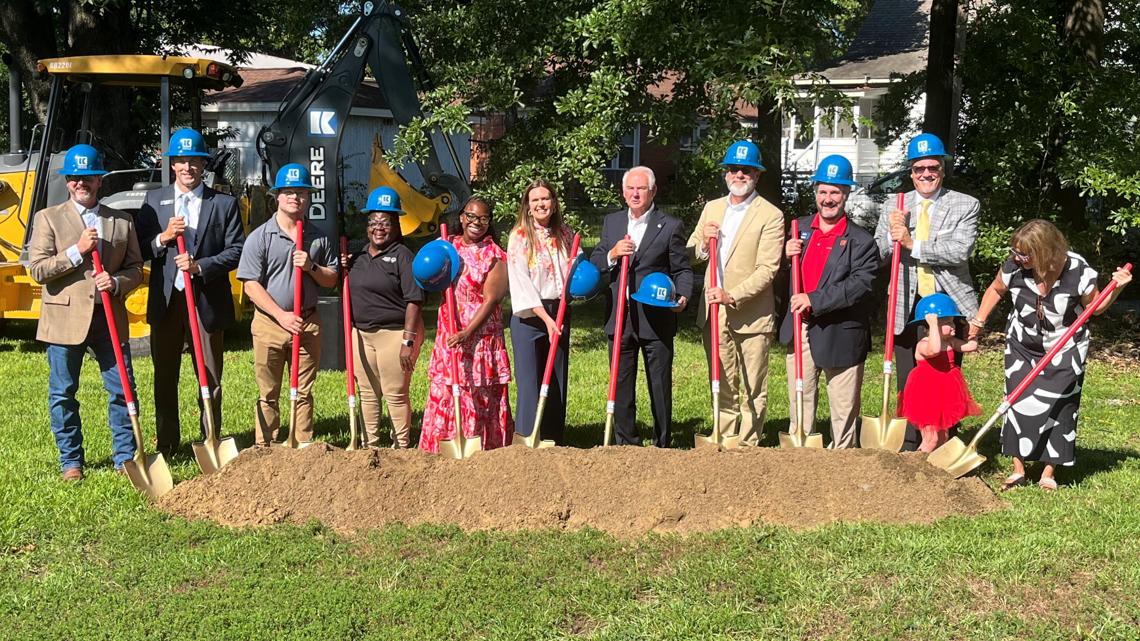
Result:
<point x="1043" y="242"/>
<point x="526" y="223"/>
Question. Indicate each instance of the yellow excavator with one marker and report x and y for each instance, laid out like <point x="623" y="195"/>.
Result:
<point x="29" y="180"/>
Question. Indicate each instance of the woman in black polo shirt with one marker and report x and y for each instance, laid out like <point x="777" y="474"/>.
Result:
<point x="387" y="319"/>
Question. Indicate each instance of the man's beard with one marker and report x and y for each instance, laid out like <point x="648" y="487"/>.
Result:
<point x="741" y="190"/>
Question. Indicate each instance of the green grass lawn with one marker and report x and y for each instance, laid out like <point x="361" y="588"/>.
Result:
<point x="93" y="561"/>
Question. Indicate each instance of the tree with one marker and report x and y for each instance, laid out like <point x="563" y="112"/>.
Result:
<point x="572" y="77"/>
<point x="939" y="117"/>
<point x="1050" y="118"/>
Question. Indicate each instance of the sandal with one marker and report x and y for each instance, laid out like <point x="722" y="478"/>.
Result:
<point x="1012" y="481"/>
<point x="1047" y="483"/>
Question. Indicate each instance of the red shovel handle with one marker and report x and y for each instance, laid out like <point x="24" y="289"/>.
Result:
<point x="113" y="329"/>
<point x="192" y="317"/>
<point x="619" y="324"/>
<point x="297" y="302"/>
<point x="893" y="296"/>
<point x="346" y="311"/>
<point x="797" y="317"/>
<point x="1060" y="344"/>
<point x="714" y="313"/>
<point x="549" y="371"/>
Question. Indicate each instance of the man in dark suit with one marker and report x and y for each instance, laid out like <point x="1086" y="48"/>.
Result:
<point x="655" y="243"/>
<point x="837" y="266"/>
<point x="210" y="225"/>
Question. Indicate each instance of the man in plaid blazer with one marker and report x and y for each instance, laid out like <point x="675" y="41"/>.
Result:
<point x="936" y="229"/>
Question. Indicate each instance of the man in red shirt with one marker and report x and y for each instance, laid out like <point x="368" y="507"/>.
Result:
<point x="838" y="264"/>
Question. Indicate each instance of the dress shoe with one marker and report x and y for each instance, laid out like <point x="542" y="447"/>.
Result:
<point x="73" y="474"/>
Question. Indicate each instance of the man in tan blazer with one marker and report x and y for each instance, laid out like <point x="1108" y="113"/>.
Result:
<point x="71" y="315"/>
<point x="750" y="233"/>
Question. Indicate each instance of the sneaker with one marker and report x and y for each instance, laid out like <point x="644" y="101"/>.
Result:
<point x="73" y="474"/>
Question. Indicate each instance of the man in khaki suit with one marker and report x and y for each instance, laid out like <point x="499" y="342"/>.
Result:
<point x="751" y="237"/>
<point x="71" y="316"/>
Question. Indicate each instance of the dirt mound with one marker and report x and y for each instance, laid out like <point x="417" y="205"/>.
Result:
<point x="625" y="491"/>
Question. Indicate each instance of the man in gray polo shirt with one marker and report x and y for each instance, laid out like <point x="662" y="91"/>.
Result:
<point x="266" y="271"/>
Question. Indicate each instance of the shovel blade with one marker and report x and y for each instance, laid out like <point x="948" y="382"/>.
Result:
<point x="532" y="441"/>
<point x="151" y="477"/>
<point x="956" y="457"/>
<point x="789" y="440"/>
<point x="459" y="451"/>
<point x="882" y="433"/>
<point x="214" y="456"/>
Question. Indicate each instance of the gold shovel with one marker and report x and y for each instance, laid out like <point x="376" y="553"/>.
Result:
<point x="459" y="446"/>
<point x="212" y="453"/>
<point x="716" y="439"/>
<point x="885" y="431"/>
<point x="960" y="459"/>
<point x="798" y="437"/>
<point x="534" y="440"/>
<point x="149" y="474"/>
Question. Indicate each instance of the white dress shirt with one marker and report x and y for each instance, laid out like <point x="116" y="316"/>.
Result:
<point x="91" y="220"/>
<point x="635" y="227"/>
<point x="733" y="217"/>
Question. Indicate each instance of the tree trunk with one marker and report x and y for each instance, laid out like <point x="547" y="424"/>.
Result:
<point x="939" y="116"/>
<point x="769" y="123"/>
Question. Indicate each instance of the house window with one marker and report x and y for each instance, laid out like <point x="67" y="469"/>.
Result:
<point x="628" y="157"/>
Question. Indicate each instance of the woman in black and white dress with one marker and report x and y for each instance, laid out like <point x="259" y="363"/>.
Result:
<point x="1049" y="287"/>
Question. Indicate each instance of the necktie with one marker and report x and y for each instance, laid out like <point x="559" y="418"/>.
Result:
<point x="184" y="212"/>
<point x="922" y="233"/>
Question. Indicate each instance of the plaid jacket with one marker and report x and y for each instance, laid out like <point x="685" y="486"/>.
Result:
<point x="953" y="230"/>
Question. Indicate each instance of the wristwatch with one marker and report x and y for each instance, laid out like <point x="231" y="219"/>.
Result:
<point x="407" y="342"/>
<point x="313" y="268"/>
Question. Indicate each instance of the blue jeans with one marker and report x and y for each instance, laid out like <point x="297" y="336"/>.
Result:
<point x="64" y="362"/>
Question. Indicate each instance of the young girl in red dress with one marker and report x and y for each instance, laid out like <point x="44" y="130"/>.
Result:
<point x="936" y="397"/>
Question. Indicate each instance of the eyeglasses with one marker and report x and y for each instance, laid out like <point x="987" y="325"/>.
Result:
<point x="81" y="179"/>
<point x="473" y="218"/>
<point x="736" y="169"/>
<point x="1018" y="256"/>
<point x="380" y="224"/>
<point x="919" y="170"/>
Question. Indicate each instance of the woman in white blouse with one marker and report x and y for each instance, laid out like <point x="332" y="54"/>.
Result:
<point x="537" y="252"/>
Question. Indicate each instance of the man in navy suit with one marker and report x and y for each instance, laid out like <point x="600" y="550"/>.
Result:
<point x="656" y="243"/>
<point x="210" y="225"/>
<point x="837" y="265"/>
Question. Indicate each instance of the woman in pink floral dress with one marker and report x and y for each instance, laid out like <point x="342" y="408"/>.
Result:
<point x="484" y="368"/>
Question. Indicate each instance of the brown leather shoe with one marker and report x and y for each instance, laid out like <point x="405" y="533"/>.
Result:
<point x="73" y="474"/>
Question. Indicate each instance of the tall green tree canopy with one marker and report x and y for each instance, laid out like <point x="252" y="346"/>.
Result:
<point x="571" y="77"/>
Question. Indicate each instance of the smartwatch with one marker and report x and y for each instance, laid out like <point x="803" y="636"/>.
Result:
<point x="313" y="268"/>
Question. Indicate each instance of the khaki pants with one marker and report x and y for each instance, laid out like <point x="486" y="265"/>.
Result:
<point x="376" y="357"/>
<point x="272" y="353"/>
<point x="743" y="383"/>
<point x="843" y="387"/>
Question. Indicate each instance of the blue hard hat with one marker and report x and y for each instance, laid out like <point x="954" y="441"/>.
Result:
<point x="925" y="146"/>
<point x="292" y="176"/>
<point x="834" y="170"/>
<point x="939" y="304"/>
<point x="657" y="290"/>
<point x="382" y="199"/>
<point x="436" y="265"/>
<point x="82" y="160"/>
<point x="743" y="152"/>
<point x="585" y="280"/>
<point x="187" y="142"/>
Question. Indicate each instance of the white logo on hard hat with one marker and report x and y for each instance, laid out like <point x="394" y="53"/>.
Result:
<point x="81" y="162"/>
<point x="187" y="144"/>
<point x="832" y="171"/>
<point x="923" y="146"/>
<point x="660" y="293"/>
<point x="386" y="200"/>
<point x="741" y="152"/>
<point x="293" y="174"/>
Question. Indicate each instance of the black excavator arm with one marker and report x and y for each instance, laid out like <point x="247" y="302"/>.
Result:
<point x="312" y="118"/>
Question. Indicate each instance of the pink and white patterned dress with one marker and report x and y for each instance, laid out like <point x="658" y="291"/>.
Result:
<point x="484" y="367"/>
